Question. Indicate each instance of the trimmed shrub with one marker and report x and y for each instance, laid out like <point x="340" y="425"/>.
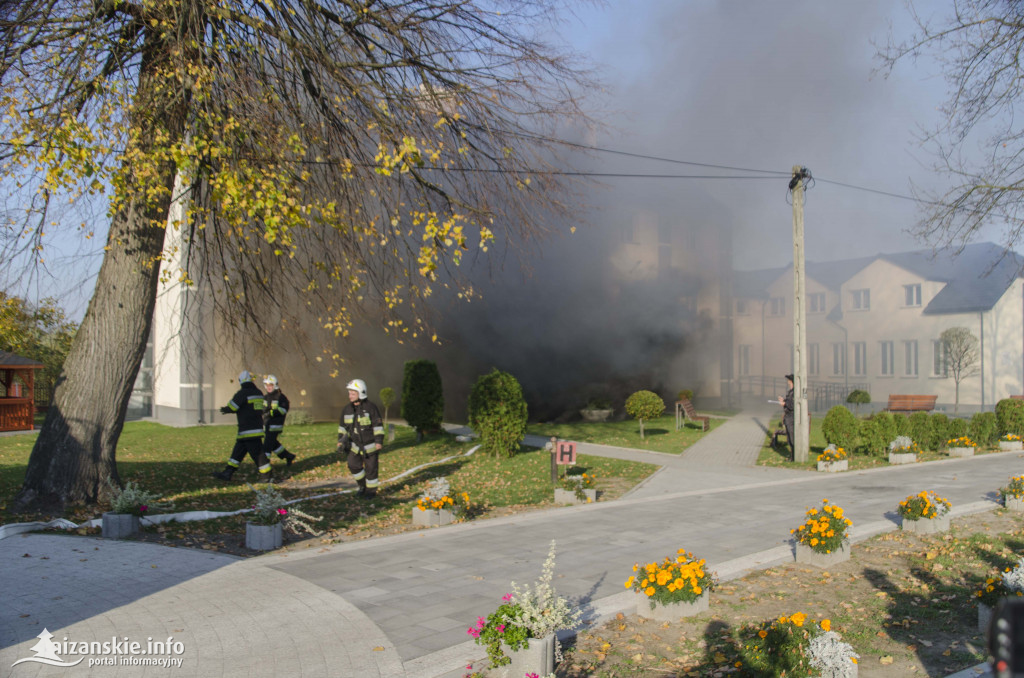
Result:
<point x="984" y="428"/>
<point x="387" y="399"/>
<point x="877" y="432"/>
<point x="422" y="396"/>
<point x="957" y="428"/>
<point x="858" y="397"/>
<point x="902" y="424"/>
<point x="940" y="431"/>
<point x="920" y="430"/>
<point x="1010" y="416"/>
<point x="497" y="412"/>
<point x="840" y="427"/>
<point x="644" y="405"/>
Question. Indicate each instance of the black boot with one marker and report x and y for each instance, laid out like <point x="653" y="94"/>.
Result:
<point x="362" y="487"/>
<point x="226" y="474"/>
<point x="370" y="493"/>
<point x="287" y="456"/>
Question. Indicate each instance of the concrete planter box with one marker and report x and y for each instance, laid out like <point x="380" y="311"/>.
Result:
<point x="960" y="451"/>
<point x="538" y="657"/>
<point x="263" y="537"/>
<point x="1011" y="445"/>
<point x="926" y="525"/>
<point x="984" y="617"/>
<point x="569" y="496"/>
<point x="902" y="458"/>
<point x="432" y="517"/>
<point x="673" y="612"/>
<point x="120" y="525"/>
<point x="595" y="416"/>
<point x="1013" y="504"/>
<point x="805" y="554"/>
<point x="834" y="466"/>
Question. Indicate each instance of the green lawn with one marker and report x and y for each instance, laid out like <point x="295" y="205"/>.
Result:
<point x="177" y="463"/>
<point x="660" y="435"/>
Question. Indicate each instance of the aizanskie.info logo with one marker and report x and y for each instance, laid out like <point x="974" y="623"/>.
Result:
<point x="113" y="652"/>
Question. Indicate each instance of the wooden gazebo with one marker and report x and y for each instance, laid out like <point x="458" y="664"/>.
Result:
<point x="17" y="392"/>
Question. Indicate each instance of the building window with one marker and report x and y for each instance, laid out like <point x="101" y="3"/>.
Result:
<point x="743" y="362"/>
<point x="912" y="295"/>
<point x="741" y="307"/>
<point x="910" y="358"/>
<point x="777" y="306"/>
<point x="813" y="359"/>
<point x="940" y="360"/>
<point x="860" y="358"/>
<point x="886" y="358"/>
<point x="838" y="359"/>
<point x="861" y="300"/>
<point x="816" y="302"/>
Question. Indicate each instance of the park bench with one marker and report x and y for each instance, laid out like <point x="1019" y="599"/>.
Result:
<point x="685" y="410"/>
<point x="911" y="403"/>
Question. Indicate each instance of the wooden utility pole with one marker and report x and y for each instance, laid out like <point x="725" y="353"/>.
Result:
<point x="801" y="432"/>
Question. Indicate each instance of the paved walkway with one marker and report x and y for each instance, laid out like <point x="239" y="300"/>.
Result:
<point x="399" y="606"/>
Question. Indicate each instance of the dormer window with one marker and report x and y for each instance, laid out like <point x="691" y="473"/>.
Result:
<point x="861" y="300"/>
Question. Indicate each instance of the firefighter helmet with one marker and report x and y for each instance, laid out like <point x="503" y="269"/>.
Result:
<point x="270" y="381"/>
<point x="359" y="386"/>
<point x="244" y="376"/>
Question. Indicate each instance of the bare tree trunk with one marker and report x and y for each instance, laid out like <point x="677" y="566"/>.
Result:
<point x="75" y="451"/>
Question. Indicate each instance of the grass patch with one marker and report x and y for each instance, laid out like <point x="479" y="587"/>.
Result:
<point x="660" y="435"/>
<point x="177" y="463"/>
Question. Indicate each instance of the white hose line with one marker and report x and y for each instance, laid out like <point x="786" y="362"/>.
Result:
<point x="62" y="523"/>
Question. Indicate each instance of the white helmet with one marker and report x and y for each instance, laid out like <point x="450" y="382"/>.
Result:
<point x="271" y="381"/>
<point x="244" y="376"/>
<point x="359" y="386"/>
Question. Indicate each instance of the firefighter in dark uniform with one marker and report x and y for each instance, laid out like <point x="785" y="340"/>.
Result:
<point x="247" y="405"/>
<point x="361" y="437"/>
<point x="787" y="415"/>
<point x="275" y="409"/>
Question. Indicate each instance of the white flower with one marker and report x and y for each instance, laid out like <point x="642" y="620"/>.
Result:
<point x="1014" y="579"/>
<point x="831" y="656"/>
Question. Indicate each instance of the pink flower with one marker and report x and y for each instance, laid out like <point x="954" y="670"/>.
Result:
<point x="501" y="628"/>
<point x="507" y="597"/>
<point x="282" y="511"/>
<point x="143" y="508"/>
<point x="473" y="632"/>
<point x="532" y="675"/>
<point x="481" y="622"/>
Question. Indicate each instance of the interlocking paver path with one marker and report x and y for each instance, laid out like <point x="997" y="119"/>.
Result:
<point x="400" y="606"/>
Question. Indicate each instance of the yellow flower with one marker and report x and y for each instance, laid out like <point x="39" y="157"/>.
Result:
<point x="826" y="625"/>
<point x="814" y="541"/>
<point x="629" y="582"/>
<point x="799" y="618"/>
<point x="762" y="633"/>
<point x="649" y="591"/>
<point x="853" y="659"/>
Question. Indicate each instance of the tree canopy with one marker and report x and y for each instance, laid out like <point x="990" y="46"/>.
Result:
<point x="979" y="140"/>
<point x="347" y="152"/>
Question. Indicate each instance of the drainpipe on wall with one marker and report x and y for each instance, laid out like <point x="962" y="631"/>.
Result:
<point x="981" y="322"/>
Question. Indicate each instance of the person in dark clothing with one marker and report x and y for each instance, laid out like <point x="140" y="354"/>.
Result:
<point x="361" y="437"/>
<point x="787" y="415"/>
<point x="247" y="404"/>
<point x="275" y="409"/>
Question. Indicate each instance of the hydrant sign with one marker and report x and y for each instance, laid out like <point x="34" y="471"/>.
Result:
<point x="565" y="453"/>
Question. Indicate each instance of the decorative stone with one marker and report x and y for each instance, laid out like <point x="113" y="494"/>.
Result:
<point x="569" y="496"/>
<point x="834" y="466"/>
<point x="926" y="525"/>
<point x="902" y="458"/>
<point x="1011" y="445"/>
<point x="1013" y="503"/>
<point x="120" y="525"/>
<point x="672" y="611"/>
<point x="984" y="617"/>
<point x="263" y="537"/>
<point x="595" y="416"/>
<point x="805" y="554"/>
<point x="432" y="517"/>
<point x="538" y="657"/>
<point x="961" y="451"/>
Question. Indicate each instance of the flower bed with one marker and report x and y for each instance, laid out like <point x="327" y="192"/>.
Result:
<point x="833" y="460"/>
<point x="924" y="513"/>
<point x="576" y="487"/>
<point x="961" y="447"/>
<point x="439" y="504"/>
<point x="1010" y="442"/>
<point x="683" y="580"/>
<point x="903" y="450"/>
<point x="1008" y="583"/>
<point x="1013" y="494"/>
<point x="798" y="647"/>
<point x="823" y="535"/>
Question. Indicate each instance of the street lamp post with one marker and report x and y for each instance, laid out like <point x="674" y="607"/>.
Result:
<point x="801" y="432"/>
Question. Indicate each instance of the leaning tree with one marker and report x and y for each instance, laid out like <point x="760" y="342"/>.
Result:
<point x="319" y="158"/>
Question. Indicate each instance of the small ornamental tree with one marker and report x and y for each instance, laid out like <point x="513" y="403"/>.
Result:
<point x="422" y="397"/>
<point x="644" y="405"/>
<point x="387" y="399"/>
<point x="840" y="427"/>
<point x="857" y="398"/>
<point x="1010" y="416"/>
<point x="497" y="413"/>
